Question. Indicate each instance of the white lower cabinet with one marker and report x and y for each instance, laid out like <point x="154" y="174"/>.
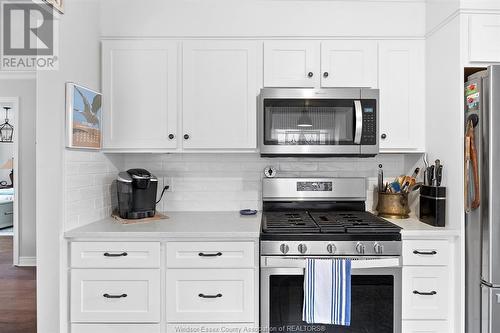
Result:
<point x="115" y="328"/>
<point x="115" y="295"/>
<point x="425" y="326"/>
<point x="425" y="292"/>
<point x="427" y="297"/>
<point x="189" y="286"/>
<point x="210" y="295"/>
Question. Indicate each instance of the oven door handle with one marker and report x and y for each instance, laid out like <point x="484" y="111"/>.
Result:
<point x="359" y="122"/>
<point x="356" y="263"/>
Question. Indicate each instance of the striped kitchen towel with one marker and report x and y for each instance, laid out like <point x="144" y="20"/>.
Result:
<point x="327" y="292"/>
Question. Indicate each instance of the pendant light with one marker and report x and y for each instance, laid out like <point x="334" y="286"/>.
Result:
<point x="6" y="129"/>
<point x="305" y="119"/>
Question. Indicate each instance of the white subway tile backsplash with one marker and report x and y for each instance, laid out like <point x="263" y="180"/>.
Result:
<point x="89" y="193"/>
<point x="202" y="182"/>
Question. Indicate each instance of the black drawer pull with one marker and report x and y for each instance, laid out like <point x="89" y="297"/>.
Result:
<point x="427" y="253"/>
<point x="218" y="254"/>
<point x="8" y="213"/>
<point x="115" y="296"/>
<point x="209" y="296"/>
<point x="431" y="293"/>
<point x="123" y="254"/>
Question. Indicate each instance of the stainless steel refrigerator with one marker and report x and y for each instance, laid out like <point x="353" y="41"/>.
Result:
<point x="482" y="198"/>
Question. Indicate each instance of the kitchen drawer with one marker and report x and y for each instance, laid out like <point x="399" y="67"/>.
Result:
<point x="115" y="295"/>
<point x="115" y="328"/>
<point x="210" y="255"/>
<point x="211" y="327"/>
<point x="210" y="295"/>
<point x="426" y="253"/>
<point x="425" y="292"/>
<point x="425" y="326"/>
<point x="115" y="254"/>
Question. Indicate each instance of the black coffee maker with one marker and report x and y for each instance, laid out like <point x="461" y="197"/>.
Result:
<point x="136" y="194"/>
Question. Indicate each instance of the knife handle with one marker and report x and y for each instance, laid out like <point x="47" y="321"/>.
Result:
<point x="439" y="175"/>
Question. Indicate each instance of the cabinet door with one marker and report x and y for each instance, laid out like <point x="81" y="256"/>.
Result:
<point x="139" y="94"/>
<point x="348" y="63"/>
<point x="210" y="295"/>
<point x="425" y="293"/>
<point x="221" y="83"/>
<point x="115" y="295"/>
<point x="484" y="44"/>
<point x="402" y="96"/>
<point x="291" y="64"/>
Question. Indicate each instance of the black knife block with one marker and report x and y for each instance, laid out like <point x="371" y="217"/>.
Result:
<point x="433" y="205"/>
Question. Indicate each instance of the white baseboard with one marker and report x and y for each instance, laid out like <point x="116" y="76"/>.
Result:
<point x="27" y="261"/>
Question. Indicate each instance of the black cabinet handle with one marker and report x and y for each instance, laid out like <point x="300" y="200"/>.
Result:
<point x="218" y="254"/>
<point x="115" y="296"/>
<point x="425" y="253"/>
<point x="383" y="136"/>
<point x="171" y="136"/>
<point x="325" y="74"/>
<point x="123" y="254"/>
<point x="186" y="136"/>
<point x="209" y="296"/>
<point x="310" y="74"/>
<point x="431" y="293"/>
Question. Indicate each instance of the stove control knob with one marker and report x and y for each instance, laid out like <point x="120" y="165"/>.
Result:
<point x="331" y="248"/>
<point x="360" y="248"/>
<point x="284" y="248"/>
<point x="378" y="248"/>
<point x="302" y="248"/>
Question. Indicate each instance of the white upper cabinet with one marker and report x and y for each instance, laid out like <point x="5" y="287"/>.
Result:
<point x="291" y="64"/>
<point x="221" y="82"/>
<point x="484" y="44"/>
<point x="402" y="95"/>
<point x="315" y="64"/>
<point x="349" y="63"/>
<point x="139" y="94"/>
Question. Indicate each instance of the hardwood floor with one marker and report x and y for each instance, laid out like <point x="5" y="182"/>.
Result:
<point x="17" y="293"/>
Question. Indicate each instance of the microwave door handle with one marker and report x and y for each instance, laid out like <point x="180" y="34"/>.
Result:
<point x="359" y="122"/>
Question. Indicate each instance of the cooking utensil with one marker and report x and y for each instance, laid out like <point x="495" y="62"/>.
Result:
<point x="437" y="164"/>
<point x="430" y="175"/>
<point x="380" y="178"/>
<point x="475" y="167"/>
<point x="439" y="175"/>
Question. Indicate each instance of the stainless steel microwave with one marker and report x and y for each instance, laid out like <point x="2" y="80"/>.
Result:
<point x="318" y="122"/>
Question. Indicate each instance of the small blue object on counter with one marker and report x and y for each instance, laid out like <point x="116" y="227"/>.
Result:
<point x="248" y="212"/>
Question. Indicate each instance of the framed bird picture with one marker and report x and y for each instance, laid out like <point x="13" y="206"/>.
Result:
<point x="83" y="117"/>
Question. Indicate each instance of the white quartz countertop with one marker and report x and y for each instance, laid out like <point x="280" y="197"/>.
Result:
<point x="194" y="225"/>
<point x="413" y="228"/>
<point x="222" y="225"/>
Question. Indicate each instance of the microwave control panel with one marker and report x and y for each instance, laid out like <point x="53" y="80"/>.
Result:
<point x="369" y="134"/>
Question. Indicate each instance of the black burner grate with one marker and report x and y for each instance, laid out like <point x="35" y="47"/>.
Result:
<point x="332" y="222"/>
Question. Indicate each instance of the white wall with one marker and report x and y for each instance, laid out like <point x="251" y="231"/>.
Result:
<point x="79" y="62"/>
<point x="262" y="18"/>
<point x="25" y="89"/>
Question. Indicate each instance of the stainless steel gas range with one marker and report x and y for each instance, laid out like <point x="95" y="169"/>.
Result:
<point x="326" y="218"/>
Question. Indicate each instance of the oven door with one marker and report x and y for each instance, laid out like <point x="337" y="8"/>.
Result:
<point x="375" y="297"/>
<point x="317" y="122"/>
